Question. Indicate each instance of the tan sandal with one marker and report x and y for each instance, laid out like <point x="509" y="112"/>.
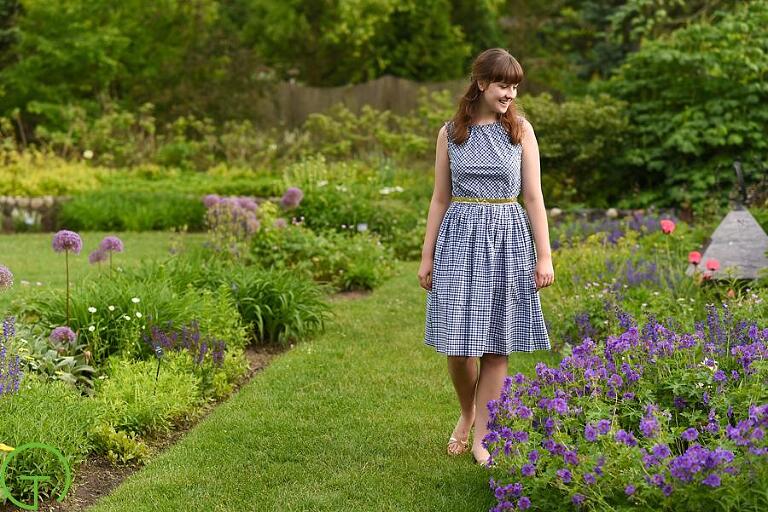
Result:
<point x="463" y="445"/>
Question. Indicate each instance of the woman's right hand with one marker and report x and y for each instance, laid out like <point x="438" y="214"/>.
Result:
<point x="425" y="274"/>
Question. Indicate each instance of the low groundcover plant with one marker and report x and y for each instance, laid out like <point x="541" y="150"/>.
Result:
<point x="651" y="419"/>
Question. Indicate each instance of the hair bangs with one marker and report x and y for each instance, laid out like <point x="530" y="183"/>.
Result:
<point x="507" y="71"/>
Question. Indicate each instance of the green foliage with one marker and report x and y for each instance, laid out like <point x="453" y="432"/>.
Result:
<point x="118" y="446"/>
<point x="685" y="137"/>
<point x="357" y="261"/>
<point x="357" y="41"/>
<point x="135" y="403"/>
<point x="112" y="209"/>
<point x="51" y="413"/>
<point x="124" y="302"/>
<point x="580" y="141"/>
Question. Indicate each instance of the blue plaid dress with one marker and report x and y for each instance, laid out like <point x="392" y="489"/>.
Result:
<point x="484" y="297"/>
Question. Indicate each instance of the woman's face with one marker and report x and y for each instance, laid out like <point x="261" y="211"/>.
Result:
<point x="498" y="96"/>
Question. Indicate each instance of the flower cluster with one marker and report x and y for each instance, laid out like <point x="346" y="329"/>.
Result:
<point x="63" y="335"/>
<point x="10" y="365"/>
<point x="6" y="278"/>
<point x="188" y="338"/>
<point x="662" y="413"/>
<point x="67" y="241"/>
<point x="231" y="222"/>
<point x="292" y="198"/>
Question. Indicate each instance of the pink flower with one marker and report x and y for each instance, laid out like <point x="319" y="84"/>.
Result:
<point x="63" y="334"/>
<point x="712" y="264"/>
<point x="667" y="226"/>
<point x="111" y="243"/>
<point x="694" y="257"/>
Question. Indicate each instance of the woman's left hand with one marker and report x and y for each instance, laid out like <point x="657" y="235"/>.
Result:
<point x="545" y="273"/>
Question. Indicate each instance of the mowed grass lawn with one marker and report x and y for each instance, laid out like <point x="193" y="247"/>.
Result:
<point x="356" y="419"/>
<point x="32" y="260"/>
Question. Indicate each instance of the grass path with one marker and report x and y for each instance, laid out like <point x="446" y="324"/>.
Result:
<point x="356" y="419"/>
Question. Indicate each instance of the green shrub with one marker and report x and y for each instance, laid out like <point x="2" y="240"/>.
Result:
<point x="119" y="447"/>
<point x="51" y="413"/>
<point x="345" y="261"/>
<point x="134" y="403"/>
<point x="125" y="302"/>
<point x="118" y="210"/>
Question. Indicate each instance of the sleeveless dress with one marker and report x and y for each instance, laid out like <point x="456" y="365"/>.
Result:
<point x="484" y="297"/>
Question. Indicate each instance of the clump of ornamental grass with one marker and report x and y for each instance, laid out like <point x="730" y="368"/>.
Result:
<point x="67" y="241"/>
<point x="649" y="419"/>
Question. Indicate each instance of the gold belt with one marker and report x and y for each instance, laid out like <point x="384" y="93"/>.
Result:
<point x="461" y="199"/>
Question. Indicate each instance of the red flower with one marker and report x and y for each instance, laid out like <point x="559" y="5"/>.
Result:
<point x="667" y="226"/>
<point x="694" y="257"/>
<point x="712" y="264"/>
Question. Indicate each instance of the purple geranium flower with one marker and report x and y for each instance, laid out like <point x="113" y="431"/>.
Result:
<point x="6" y="277"/>
<point x="67" y="241"/>
<point x="629" y="490"/>
<point x="111" y="244"/>
<point x="690" y="435"/>
<point x="63" y="334"/>
<point x="564" y="475"/>
<point x="524" y="503"/>
<point x="590" y="432"/>
<point x="528" y="470"/>
<point x="578" y="499"/>
<point x="712" y="480"/>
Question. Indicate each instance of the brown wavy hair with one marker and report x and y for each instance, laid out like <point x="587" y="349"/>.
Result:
<point x="492" y="65"/>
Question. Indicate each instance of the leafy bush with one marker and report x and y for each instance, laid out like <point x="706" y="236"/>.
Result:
<point x="650" y="419"/>
<point x="40" y="173"/>
<point x="684" y="139"/>
<point x="135" y="403"/>
<point x="118" y="210"/>
<point x="51" y="413"/>
<point x="345" y="261"/>
<point x="125" y="302"/>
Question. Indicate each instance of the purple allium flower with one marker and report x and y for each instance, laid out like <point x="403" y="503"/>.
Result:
<point x="6" y="278"/>
<point x="63" y="334"/>
<point x="67" y="241"/>
<point x="292" y="198"/>
<point x="578" y="499"/>
<point x="524" y="503"/>
<point x="111" y="244"/>
<point x="280" y="223"/>
<point x="211" y="200"/>
<point x="564" y="475"/>
<point x="712" y="480"/>
<point x="97" y="256"/>
<point x="629" y="490"/>
<point x="690" y="435"/>
<point x="246" y="203"/>
<point x="528" y="470"/>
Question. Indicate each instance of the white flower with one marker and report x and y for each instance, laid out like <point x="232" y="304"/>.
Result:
<point x="362" y="227"/>
<point x="135" y="300"/>
<point x="322" y="183"/>
<point x="655" y="293"/>
<point x="111" y="308"/>
<point x="38" y="283"/>
<point x="138" y="314"/>
<point x="643" y="305"/>
<point x="385" y="191"/>
<point x="87" y="154"/>
<point x="91" y="309"/>
<point x="126" y="317"/>
<point x="91" y="328"/>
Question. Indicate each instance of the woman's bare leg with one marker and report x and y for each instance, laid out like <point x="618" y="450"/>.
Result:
<point x="463" y="371"/>
<point x="493" y="370"/>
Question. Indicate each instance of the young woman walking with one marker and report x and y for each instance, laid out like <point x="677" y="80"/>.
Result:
<point x="480" y="266"/>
